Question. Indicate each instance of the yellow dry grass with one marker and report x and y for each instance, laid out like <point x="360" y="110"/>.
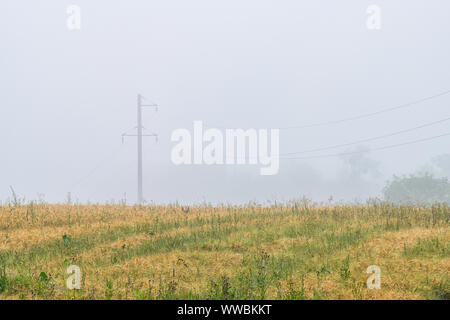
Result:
<point x="279" y="252"/>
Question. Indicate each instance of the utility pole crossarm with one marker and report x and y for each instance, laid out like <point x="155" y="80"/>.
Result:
<point x="151" y="105"/>
<point x="143" y="135"/>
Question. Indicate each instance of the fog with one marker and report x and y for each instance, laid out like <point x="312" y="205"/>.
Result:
<point x="68" y="95"/>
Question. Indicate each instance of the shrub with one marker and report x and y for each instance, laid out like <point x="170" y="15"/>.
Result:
<point x="423" y="189"/>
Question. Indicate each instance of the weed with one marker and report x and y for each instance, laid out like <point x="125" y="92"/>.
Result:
<point x="298" y="250"/>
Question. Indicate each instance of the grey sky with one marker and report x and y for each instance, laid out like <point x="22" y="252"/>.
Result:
<point x="67" y="96"/>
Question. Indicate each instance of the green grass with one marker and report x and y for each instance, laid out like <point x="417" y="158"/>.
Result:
<point x="251" y="252"/>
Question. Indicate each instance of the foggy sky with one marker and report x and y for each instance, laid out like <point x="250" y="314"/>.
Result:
<point x="67" y="96"/>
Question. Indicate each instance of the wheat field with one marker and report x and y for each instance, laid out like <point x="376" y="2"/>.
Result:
<point x="294" y="251"/>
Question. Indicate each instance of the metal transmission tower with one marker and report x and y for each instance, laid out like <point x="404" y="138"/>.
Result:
<point x="140" y="128"/>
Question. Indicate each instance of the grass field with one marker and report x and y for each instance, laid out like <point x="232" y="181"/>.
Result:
<point x="253" y="252"/>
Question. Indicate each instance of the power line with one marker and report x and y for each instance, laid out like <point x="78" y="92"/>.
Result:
<point x="369" y="139"/>
<point x="96" y="168"/>
<point x="363" y="116"/>
<point x="367" y="115"/>
<point x="375" y="149"/>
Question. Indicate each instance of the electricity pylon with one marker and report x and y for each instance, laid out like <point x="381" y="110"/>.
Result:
<point x="139" y="135"/>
